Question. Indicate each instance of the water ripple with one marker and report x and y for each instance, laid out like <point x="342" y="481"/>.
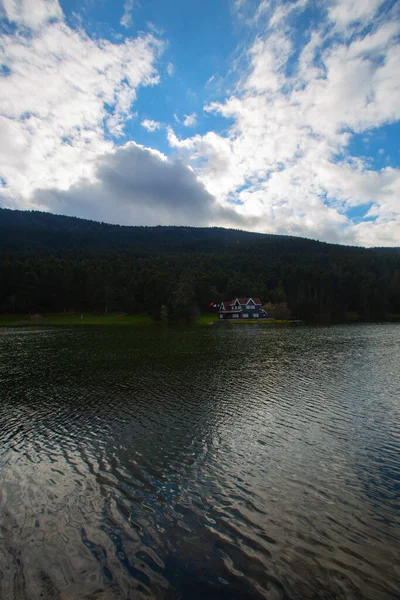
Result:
<point x="216" y="463"/>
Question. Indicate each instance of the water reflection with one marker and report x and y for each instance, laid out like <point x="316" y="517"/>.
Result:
<point x="215" y="463"/>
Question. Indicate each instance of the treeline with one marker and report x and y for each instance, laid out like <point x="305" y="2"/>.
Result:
<point x="50" y="263"/>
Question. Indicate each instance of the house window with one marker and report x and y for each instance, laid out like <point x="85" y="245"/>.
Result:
<point x="235" y="316"/>
<point x="250" y="307"/>
<point x="255" y="316"/>
<point x="245" y="315"/>
<point x="221" y="316"/>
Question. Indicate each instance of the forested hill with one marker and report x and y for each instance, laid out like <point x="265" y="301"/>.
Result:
<point x="27" y="230"/>
<point x="40" y="231"/>
<point x="52" y="263"/>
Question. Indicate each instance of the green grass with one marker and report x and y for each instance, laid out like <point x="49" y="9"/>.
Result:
<point x="85" y="319"/>
<point x="114" y="319"/>
<point x="206" y="319"/>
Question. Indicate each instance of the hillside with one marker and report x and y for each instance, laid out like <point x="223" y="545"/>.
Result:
<point x="56" y="263"/>
<point x="27" y="230"/>
<point x="41" y="231"/>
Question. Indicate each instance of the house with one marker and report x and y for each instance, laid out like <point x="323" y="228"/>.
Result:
<point x="242" y="308"/>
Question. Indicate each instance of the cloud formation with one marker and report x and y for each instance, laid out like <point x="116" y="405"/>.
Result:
<point x="29" y="13"/>
<point x="126" y="19"/>
<point x="285" y="159"/>
<point x="190" y="120"/>
<point x="63" y="96"/>
<point x="137" y="185"/>
<point x="150" y="125"/>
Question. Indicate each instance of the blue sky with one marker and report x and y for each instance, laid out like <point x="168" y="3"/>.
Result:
<point x="279" y="116"/>
<point x="201" y="43"/>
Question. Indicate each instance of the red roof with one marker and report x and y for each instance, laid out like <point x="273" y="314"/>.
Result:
<point x="226" y="304"/>
<point x="229" y="303"/>
<point x="245" y="300"/>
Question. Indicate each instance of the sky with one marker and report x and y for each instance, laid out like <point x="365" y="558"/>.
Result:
<point x="277" y="116"/>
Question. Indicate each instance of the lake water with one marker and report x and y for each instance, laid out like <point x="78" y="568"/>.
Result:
<point x="218" y="462"/>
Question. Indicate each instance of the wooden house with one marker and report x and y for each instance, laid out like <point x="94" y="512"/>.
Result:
<point x="242" y="308"/>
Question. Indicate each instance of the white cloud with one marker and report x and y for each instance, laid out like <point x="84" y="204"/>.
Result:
<point x="150" y="125"/>
<point x="268" y="57"/>
<point x="141" y="186"/>
<point x="279" y="159"/>
<point x="170" y="69"/>
<point x="63" y="94"/>
<point x="347" y="12"/>
<point x="31" y="13"/>
<point x="126" y="19"/>
<point x="190" y="120"/>
<point x="277" y="12"/>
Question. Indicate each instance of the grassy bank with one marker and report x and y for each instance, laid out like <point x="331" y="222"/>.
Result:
<point x="113" y="319"/>
<point x="206" y="319"/>
<point x="85" y="319"/>
<point x="137" y="320"/>
<point x="89" y="319"/>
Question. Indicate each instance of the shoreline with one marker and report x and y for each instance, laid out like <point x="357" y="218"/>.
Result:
<point x="87" y="319"/>
<point x="90" y="320"/>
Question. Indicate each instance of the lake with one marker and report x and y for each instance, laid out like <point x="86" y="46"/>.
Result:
<point x="200" y="463"/>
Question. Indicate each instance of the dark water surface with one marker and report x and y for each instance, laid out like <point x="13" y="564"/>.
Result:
<point x="223" y="462"/>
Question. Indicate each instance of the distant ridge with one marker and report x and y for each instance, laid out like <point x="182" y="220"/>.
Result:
<point x="35" y="230"/>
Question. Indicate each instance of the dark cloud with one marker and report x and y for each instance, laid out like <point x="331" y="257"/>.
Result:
<point x="136" y="186"/>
